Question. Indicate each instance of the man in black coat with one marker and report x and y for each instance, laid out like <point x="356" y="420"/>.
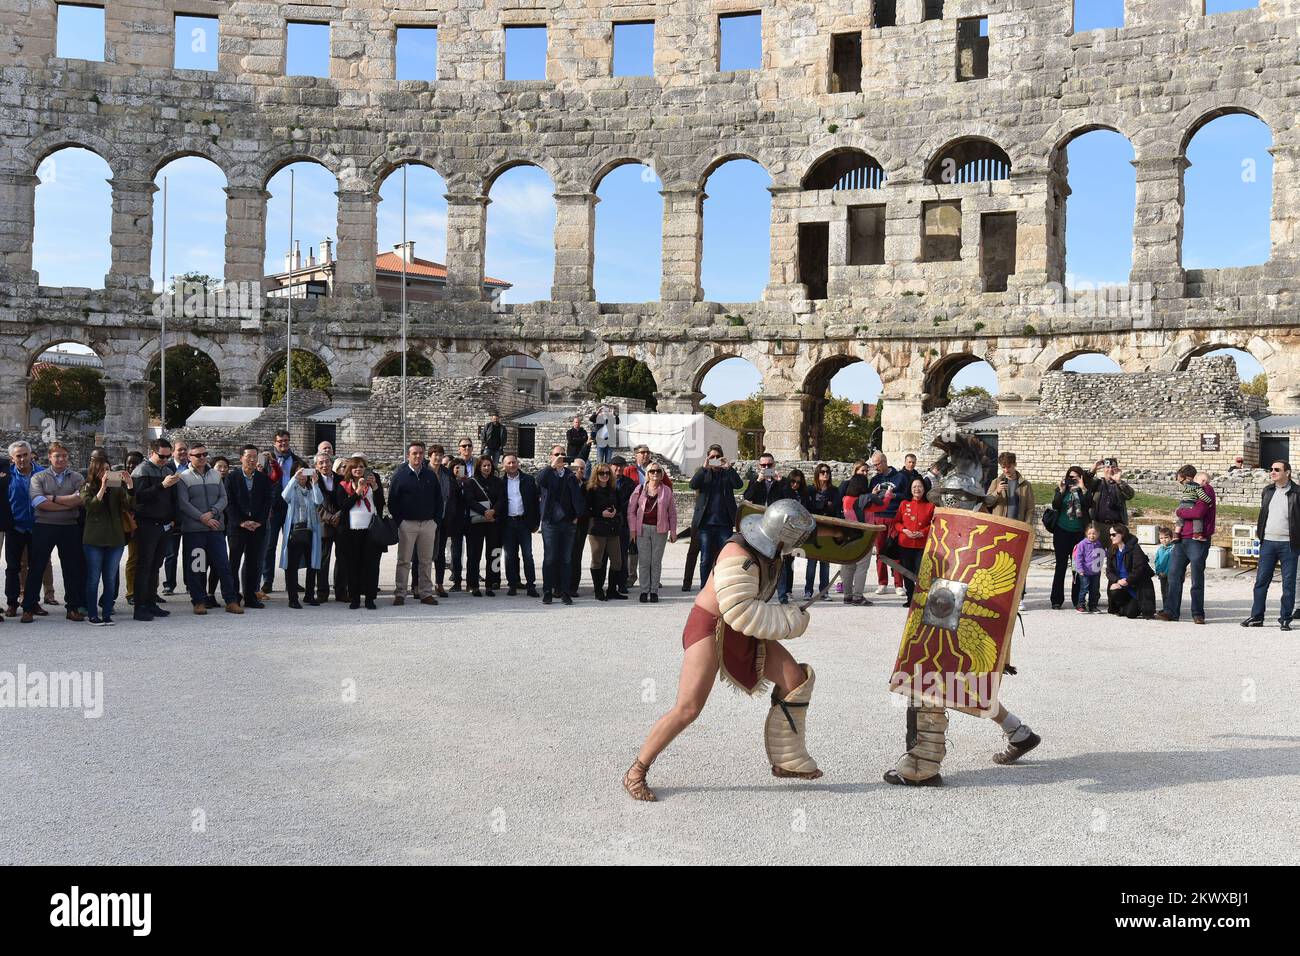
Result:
<point x="623" y="487"/>
<point x="492" y="437"/>
<point x="767" y="485"/>
<point x="562" y="504"/>
<point x="522" y="518"/>
<point x="415" y="502"/>
<point x="156" y="510"/>
<point x="714" y="519"/>
<point x="249" y="493"/>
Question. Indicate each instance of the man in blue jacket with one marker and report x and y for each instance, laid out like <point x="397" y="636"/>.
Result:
<point x="18" y="537"/>
<point x="523" y="515"/>
<point x="415" y="502"/>
<point x="561" y="504"/>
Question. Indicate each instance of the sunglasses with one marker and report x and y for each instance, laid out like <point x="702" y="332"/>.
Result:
<point x="198" y="454"/>
<point x="1115" y="534"/>
<point x="1277" y="469"/>
<point x="653" y="471"/>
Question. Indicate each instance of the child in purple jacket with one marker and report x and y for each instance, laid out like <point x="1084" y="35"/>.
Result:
<point x="1089" y="561"/>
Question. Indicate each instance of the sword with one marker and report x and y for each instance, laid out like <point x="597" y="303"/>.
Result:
<point x="822" y="593"/>
<point x="898" y="568"/>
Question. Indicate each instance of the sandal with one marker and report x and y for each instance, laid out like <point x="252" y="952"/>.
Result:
<point x="635" y="785"/>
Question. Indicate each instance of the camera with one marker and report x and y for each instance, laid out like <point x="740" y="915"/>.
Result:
<point x="1110" y="462"/>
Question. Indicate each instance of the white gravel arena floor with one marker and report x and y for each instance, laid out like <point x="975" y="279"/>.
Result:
<point x="497" y="730"/>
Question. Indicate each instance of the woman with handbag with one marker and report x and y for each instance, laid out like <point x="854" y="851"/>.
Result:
<point x="108" y="501"/>
<point x="911" y="529"/>
<point x="360" y="500"/>
<point x="318" y="579"/>
<point x="484" y="497"/>
<point x="301" y="543"/>
<point x="652" y="518"/>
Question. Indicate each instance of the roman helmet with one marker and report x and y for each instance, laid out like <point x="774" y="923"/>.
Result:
<point x="782" y="527"/>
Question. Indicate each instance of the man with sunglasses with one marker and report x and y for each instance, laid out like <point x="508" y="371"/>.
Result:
<point x="1278" y="531"/>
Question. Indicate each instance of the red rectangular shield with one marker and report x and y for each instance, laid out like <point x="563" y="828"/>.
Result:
<point x="957" y="638"/>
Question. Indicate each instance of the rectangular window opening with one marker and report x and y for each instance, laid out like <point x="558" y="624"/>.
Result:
<point x="972" y="48"/>
<point x="196" y="42"/>
<point x="941" y="231"/>
<point x="866" y="235"/>
<point x="79" y="32"/>
<point x="884" y="13"/>
<point x="814" y="256"/>
<point x="740" y="41"/>
<point x="846" y="63"/>
<point x="1098" y="15"/>
<point x="307" y="49"/>
<point x="933" y="10"/>
<point x="634" y="48"/>
<point x="416" y="53"/>
<point x="997" y="249"/>
<point x="526" y="52"/>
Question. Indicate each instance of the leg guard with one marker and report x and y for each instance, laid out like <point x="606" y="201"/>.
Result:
<point x="920" y="764"/>
<point x="783" y="733"/>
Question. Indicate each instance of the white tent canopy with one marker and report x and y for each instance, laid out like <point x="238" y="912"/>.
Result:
<point x="223" y="416"/>
<point x="682" y="439"/>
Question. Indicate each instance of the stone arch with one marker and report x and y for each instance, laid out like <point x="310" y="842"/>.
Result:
<point x="845" y="167"/>
<point x="975" y="159"/>
<point x="816" y="389"/>
<point x="413" y="350"/>
<point x="1208" y="107"/>
<point x="1057" y="360"/>
<point x="320" y="350"/>
<point x="393" y="160"/>
<point x="31" y="373"/>
<point x="147" y="353"/>
<point x="622" y="354"/>
<point x="610" y="161"/>
<point x="176" y="418"/>
<point x="190" y="146"/>
<point x="276" y="159"/>
<point x="1240" y="340"/>
<point x="538" y="389"/>
<point x="1066" y="132"/>
<point x="722" y="159"/>
<point x="940" y="373"/>
<point x="42" y="147"/>
<point x="501" y="163"/>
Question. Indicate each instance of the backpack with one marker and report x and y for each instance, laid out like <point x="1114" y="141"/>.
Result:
<point x="1049" y="519"/>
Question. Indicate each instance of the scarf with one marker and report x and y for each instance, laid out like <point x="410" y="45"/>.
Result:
<point x="350" y="488"/>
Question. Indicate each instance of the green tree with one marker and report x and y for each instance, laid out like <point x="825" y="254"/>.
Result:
<point x="979" y="390"/>
<point x="416" y="365"/>
<point x="1256" y="386"/>
<point x="626" y="378"/>
<point x="193" y="278"/>
<point x="741" y="415"/>
<point x="845" y="435"/>
<point x="192" y="380"/>
<point x="69" y="395"/>
<point x="309" y="372"/>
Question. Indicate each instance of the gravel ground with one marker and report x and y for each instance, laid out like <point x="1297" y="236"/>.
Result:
<point x="496" y="731"/>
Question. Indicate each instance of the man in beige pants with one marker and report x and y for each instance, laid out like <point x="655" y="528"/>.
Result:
<point x="415" y="502"/>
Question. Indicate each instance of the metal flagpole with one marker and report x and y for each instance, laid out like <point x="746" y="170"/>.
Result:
<point x="288" y="322"/>
<point x="404" y="252"/>
<point x="162" y="334"/>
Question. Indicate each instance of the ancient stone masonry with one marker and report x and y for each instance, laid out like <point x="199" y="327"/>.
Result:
<point x="943" y="245"/>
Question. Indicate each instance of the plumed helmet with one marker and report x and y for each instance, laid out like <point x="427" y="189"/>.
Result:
<point x="782" y="527"/>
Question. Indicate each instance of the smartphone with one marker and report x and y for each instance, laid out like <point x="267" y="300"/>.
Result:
<point x="113" y="480"/>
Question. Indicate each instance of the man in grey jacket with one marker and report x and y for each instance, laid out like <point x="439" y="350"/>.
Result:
<point x="202" y="502"/>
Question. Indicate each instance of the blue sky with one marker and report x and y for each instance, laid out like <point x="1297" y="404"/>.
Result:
<point x="1228" y="187"/>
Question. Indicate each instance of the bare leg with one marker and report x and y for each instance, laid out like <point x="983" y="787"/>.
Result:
<point x="699" y="672"/>
<point x="781" y="669"/>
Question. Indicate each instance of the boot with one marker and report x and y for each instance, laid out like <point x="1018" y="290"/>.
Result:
<point x="598" y="584"/>
<point x="919" y="767"/>
<point x="617" y="586"/>
<point x="783" y="732"/>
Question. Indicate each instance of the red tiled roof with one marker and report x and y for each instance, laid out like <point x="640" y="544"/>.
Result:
<point x="391" y="262"/>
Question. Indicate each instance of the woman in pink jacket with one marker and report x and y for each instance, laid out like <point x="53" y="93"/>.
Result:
<point x="652" y="521"/>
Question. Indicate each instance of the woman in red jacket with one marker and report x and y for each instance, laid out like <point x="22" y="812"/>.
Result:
<point x="913" y="525"/>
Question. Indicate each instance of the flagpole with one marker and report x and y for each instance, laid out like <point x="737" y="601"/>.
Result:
<point x="162" y="335"/>
<point x="288" y="322"/>
<point x="404" y="253"/>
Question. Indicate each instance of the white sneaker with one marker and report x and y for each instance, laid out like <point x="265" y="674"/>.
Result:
<point x="1022" y="606"/>
<point x="883" y="589"/>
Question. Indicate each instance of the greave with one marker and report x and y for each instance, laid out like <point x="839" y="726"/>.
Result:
<point x="783" y="733"/>
<point x="925" y="755"/>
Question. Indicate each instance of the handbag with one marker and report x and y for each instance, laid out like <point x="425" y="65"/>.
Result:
<point x="382" y="532"/>
<point x="1050" y="518"/>
<point x="300" y="538"/>
<point x="476" y="518"/>
<point x="129" y="524"/>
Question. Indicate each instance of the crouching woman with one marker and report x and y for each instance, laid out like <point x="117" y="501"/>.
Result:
<point x="1132" y="590"/>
